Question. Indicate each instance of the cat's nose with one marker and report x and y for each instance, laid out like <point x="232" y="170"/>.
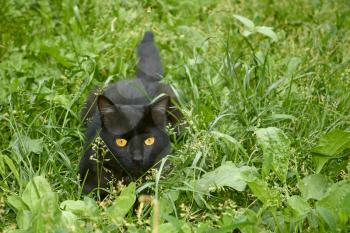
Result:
<point x="137" y="157"/>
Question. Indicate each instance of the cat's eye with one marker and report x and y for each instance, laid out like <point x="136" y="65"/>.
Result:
<point x="150" y="141"/>
<point x="121" y="142"/>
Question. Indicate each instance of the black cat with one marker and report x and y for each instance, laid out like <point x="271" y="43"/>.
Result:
<point x="126" y="124"/>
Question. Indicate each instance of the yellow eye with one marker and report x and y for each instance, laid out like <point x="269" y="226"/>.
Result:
<point x="121" y="142"/>
<point x="150" y="141"/>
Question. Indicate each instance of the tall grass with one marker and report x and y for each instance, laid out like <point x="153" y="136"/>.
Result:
<point x="52" y="53"/>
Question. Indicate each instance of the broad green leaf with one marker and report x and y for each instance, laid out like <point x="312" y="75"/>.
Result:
<point x="204" y="227"/>
<point x="33" y="145"/>
<point x="248" y="222"/>
<point x="267" y="195"/>
<point x="185" y="228"/>
<point x="34" y="190"/>
<point x="331" y="145"/>
<point x="247" y="33"/>
<point x="17" y="202"/>
<point x="77" y="207"/>
<point x="245" y="21"/>
<point x="335" y="198"/>
<point x="92" y="206"/>
<point x="68" y="218"/>
<point x="320" y="162"/>
<point x="327" y="216"/>
<point x="313" y="187"/>
<point x="24" y="219"/>
<point x="26" y="144"/>
<point x="275" y="146"/>
<point x="177" y="225"/>
<point x="167" y="228"/>
<point x="122" y="204"/>
<point x="267" y="31"/>
<point x="85" y="209"/>
<point x="226" y="175"/>
<point x="47" y="215"/>
<point x="299" y="205"/>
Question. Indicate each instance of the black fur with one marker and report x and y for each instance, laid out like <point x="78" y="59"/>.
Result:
<point x="127" y="109"/>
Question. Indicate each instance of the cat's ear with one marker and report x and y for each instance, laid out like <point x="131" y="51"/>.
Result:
<point x="105" y="106"/>
<point x="159" y="108"/>
<point x="111" y="117"/>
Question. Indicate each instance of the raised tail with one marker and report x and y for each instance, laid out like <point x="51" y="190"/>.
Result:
<point x="149" y="66"/>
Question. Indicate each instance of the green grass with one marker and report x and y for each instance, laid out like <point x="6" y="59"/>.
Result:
<point x="267" y="144"/>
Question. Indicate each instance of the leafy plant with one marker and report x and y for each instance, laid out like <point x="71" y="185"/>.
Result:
<point x="38" y="209"/>
<point x="275" y="146"/>
<point x="333" y="145"/>
<point x="250" y="28"/>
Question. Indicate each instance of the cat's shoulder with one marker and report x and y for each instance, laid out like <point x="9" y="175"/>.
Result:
<point x="136" y="90"/>
<point x="126" y="92"/>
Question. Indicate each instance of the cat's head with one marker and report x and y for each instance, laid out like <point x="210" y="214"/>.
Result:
<point x="135" y="134"/>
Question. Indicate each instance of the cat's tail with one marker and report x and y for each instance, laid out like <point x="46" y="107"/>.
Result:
<point x="149" y="66"/>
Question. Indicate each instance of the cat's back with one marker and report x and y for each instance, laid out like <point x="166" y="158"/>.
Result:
<point x="135" y="91"/>
<point x="128" y="92"/>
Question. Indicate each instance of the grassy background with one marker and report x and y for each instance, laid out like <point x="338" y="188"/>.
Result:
<point x="53" y="52"/>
